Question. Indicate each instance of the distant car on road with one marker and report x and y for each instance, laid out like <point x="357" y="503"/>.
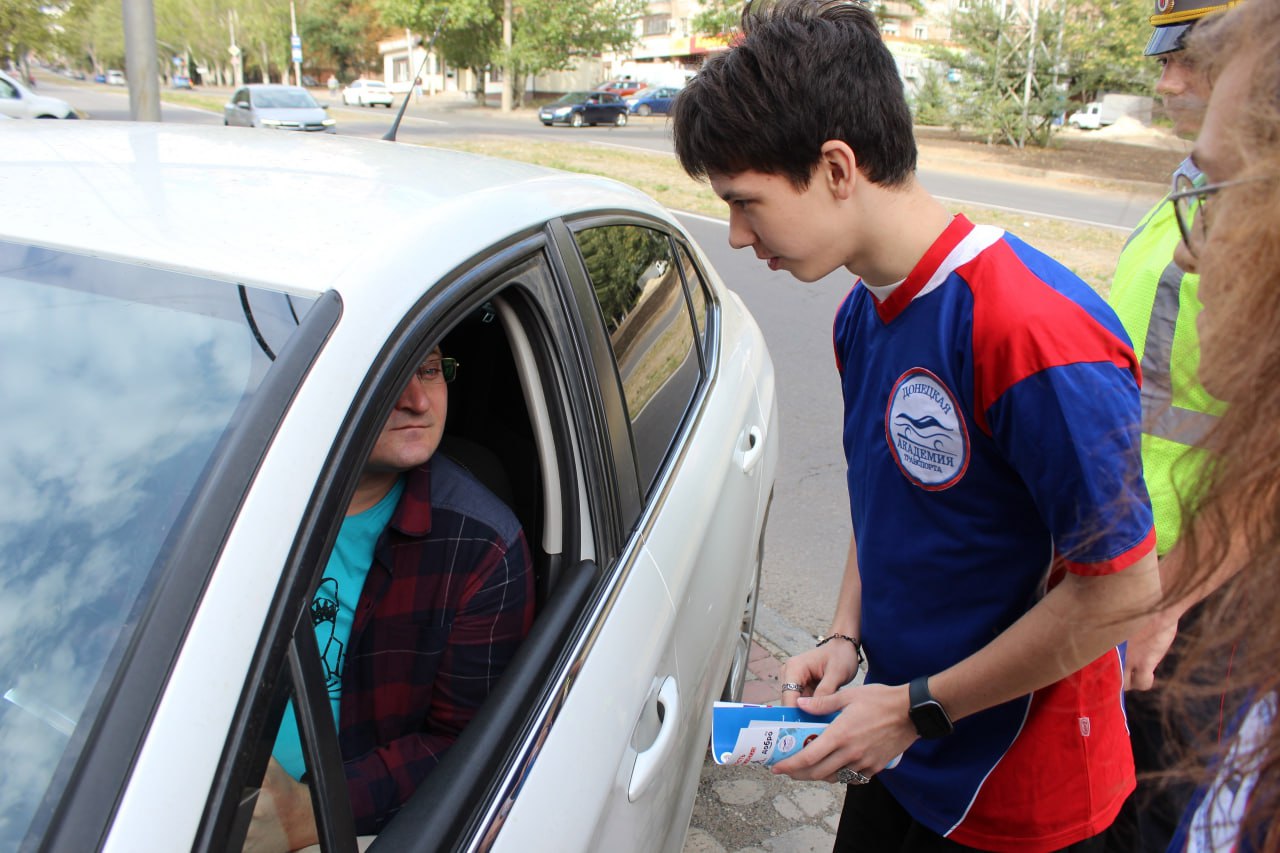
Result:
<point x="115" y="78"/>
<point x="17" y="101"/>
<point x="181" y="81"/>
<point x="277" y="106"/>
<point x="621" y="88"/>
<point x="579" y="108"/>
<point x="367" y="93"/>
<point x="652" y="101"/>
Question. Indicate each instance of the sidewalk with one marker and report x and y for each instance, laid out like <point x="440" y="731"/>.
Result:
<point x="748" y="809"/>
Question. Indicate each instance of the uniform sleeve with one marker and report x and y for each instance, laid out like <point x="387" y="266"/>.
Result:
<point x="1072" y="434"/>
<point x="493" y="618"/>
<point x="1056" y="386"/>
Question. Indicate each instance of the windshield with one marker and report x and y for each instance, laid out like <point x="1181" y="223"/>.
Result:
<point x="283" y="99"/>
<point x="118" y="386"/>
<point x="571" y="98"/>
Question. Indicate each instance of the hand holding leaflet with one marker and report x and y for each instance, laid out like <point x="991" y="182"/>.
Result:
<point x="761" y="734"/>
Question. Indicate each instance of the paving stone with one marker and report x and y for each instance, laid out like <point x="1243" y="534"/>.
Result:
<point x="757" y="692"/>
<point x="804" y="839"/>
<point x="739" y="792"/>
<point x="813" y="800"/>
<point x="788" y="809"/>
<point x="700" y="841"/>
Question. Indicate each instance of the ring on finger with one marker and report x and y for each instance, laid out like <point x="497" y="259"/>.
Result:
<point x="792" y="686"/>
<point x="849" y="776"/>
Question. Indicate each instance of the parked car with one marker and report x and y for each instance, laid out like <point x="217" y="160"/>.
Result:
<point x="650" y="101"/>
<point x="277" y="106"/>
<point x="115" y="78"/>
<point x="621" y="88"/>
<point x="367" y="93"/>
<point x="194" y="386"/>
<point x="17" y="101"/>
<point x="579" y="108"/>
<point x="181" y="81"/>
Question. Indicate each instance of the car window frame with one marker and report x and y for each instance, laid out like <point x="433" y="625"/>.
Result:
<point x="441" y="308"/>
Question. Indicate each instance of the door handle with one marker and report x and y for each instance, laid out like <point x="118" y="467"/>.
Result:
<point x="750" y="448"/>
<point x="649" y="763"/>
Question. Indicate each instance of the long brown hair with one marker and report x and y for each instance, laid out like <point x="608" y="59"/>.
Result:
<point x="1236" y="647"/>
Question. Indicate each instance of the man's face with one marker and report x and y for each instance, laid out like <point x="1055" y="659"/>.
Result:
<point x="786" y="227"/>
<point x="412" y="432"/>
<point x="1221" y="160"/>
<point x="1184" y="90"/>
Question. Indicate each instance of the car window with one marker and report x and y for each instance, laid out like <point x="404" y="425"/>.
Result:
<point x="642" y="301"/>
<point x="154" y="371"/>
<point x="7" y="90"/>
<point x="697" y="295"/>
<point x="242" y="96"/>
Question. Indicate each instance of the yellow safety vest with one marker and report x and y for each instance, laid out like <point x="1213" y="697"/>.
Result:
<point x="1157" y="303"/>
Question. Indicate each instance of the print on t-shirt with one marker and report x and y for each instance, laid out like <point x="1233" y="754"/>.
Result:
<point x="926" y="430"/>
<point x="324" y="609"/>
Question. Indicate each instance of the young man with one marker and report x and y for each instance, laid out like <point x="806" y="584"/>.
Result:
<point x="1002" y="540"/>
<point x="427" y="596"/>
<point x="1157" y="302"/>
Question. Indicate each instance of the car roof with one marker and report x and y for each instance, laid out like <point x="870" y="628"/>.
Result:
<point x="296" y="212"/>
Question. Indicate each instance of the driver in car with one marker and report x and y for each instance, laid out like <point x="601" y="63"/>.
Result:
<point x="426" y="597"/>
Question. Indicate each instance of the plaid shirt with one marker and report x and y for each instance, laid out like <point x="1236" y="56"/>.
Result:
<point x="448" y="600"/>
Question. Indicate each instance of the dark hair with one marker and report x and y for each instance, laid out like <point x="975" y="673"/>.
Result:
<point x="804" y="72"/>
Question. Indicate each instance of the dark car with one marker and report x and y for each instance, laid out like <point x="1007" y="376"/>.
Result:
<point x="652" y="101"/>
<point x="579" y="108"/>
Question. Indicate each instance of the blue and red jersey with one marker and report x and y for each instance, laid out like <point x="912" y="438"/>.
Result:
<point x="992" y="436"/>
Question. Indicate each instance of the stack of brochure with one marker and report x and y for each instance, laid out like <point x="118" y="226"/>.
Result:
<point x="761" y="734"/>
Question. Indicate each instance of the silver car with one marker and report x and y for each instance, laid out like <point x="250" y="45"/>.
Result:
<point x="192" y="381"/>
<point x="277" y="106"/>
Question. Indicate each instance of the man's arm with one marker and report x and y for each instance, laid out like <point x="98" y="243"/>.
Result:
<point x="493" y="618"/>
<point x="1077" y="622"/>
<point x="826" y="669"/>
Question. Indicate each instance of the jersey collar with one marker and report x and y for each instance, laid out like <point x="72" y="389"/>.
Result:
<point x="929" y="263"/>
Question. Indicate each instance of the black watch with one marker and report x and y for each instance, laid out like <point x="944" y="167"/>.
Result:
<point x="927" y="713"/>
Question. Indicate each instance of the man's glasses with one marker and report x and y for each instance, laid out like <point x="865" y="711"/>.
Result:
<point x="435" y="371"/>
<point x="1191" y="207"/>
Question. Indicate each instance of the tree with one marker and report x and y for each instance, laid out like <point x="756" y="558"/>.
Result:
<point x="1009" y="87"/>
<point x="342" y="34"/>
<point x="1102" y="45"/>
<point x="552" y="35"/>
<point x="24" y="27"/>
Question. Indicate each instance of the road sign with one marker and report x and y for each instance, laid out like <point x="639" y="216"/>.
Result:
<point x="296" y="43"/>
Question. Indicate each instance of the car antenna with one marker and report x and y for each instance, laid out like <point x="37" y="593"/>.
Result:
<point x="390" y="135"/>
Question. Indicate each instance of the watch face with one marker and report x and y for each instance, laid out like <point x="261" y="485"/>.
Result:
<point x="930" y="720"/>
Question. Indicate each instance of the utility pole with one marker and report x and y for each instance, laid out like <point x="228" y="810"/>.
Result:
<point x="237" y="72"/>
<point x="508" y="67"/>
<point x="140" y="60"/>
<point x="295" y="45"/>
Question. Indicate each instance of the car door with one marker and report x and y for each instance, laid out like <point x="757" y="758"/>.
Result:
<point x="237" y="111"/>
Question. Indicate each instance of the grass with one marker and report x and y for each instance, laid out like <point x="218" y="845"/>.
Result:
<point x="1090" y="252"/>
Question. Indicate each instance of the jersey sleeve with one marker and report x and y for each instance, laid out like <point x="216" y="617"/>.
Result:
<point x="1072" y="434"/>
<point x="1056" y="386"/>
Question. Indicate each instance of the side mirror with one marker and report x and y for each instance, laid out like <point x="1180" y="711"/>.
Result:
<point x="241" y="105"/>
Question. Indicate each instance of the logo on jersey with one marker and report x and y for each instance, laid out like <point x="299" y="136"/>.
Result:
<point x="926" y="430"/>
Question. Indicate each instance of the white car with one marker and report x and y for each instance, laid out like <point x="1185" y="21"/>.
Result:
<point x="116" y="78"/>
<point x="193" y="379"/>
<point x="277" y="106"/>
<point x="17" y="101"/>
<point x="367" y="93"/>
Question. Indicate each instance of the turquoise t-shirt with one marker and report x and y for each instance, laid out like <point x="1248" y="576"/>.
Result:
<point x="333" y="612"/>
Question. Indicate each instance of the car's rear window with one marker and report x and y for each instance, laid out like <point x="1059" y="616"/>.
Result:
<point x="118" y="385"/>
